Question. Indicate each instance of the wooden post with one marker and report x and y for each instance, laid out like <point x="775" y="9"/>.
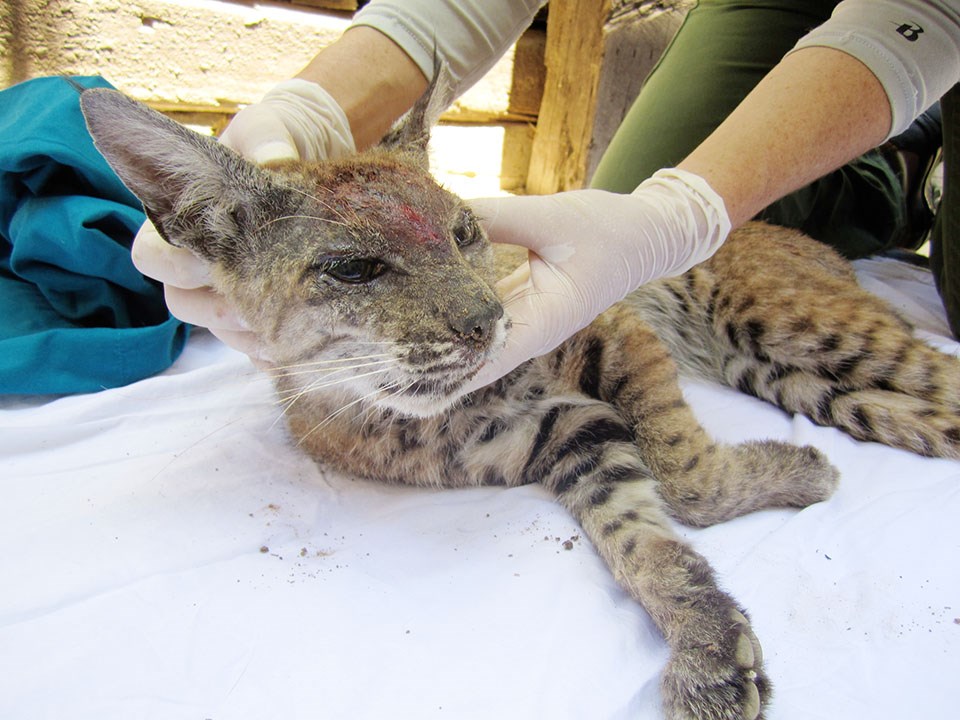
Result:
<point x="598" y="54"/>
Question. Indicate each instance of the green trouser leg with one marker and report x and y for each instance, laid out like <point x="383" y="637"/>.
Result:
<point x="722" y="50"/>
<point x="945" y="236"/>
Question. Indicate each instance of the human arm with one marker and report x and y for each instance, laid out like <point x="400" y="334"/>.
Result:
<point x="818" y="109"/>
<point x="381" y="64"/>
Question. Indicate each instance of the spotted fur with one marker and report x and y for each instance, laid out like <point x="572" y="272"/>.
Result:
<point x="372" y="288"/>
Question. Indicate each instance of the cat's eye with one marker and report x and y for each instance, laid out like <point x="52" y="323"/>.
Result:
<point x="355" y="271"/>
<point x="467" y="231"/>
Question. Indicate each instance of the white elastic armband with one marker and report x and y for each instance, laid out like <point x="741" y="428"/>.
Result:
<point x="912" y="46"/>
<point x="468" y="36"/>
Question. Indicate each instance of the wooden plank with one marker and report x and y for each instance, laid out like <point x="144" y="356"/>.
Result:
<point x="573" y="56"/>
<point x="343" y="5"/>
<point x="529" y="73"/>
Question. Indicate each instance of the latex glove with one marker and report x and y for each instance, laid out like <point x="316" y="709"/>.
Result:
<point x="295" y="119"/>
<point x="187" y="291"/>
<point x="589" y="249"/>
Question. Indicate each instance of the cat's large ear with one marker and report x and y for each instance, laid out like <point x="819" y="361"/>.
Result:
<point x="197" y="192"/>
<point x="411" y="134"/>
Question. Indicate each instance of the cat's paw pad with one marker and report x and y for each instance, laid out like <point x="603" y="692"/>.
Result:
<point x="722" y="680"/>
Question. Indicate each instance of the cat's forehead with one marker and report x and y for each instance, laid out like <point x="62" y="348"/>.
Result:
<point x="392" y="195"/>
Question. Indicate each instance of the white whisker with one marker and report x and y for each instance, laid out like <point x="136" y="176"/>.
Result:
<point x="332" y="416"/>
<point x="327" y="205"/>
<point x="301" y="217"/>
<point x="322" y="384"/>
<point x="330" y="367"/>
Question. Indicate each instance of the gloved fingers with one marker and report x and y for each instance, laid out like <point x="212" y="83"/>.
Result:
<point x="295" y="120"/>
<point x="543" y="223"/>
<point x="202" y="306"/>
<point x="257" y="133"/>
<point x="158" y="259"/>
<point x="514" y="281"/>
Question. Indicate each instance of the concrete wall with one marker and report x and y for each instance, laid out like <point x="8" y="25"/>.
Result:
<point x="198" y="54"/>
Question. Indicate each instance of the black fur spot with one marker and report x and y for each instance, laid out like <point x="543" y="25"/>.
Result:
<point x="830" y="343"/>
<point x="409" y="434"/>
<point x="778" y="372"/>
<point x="611" y="527"/>
<point x="599" y="495"/>
<point x="862" y="422"/>
<point x="747" y="382"/>
<point x="801" y="326"/>
<point x="534" y="392"/>
<point x="547" y="423"/>
<point x="590" y="374"/>
<point x="559" y="355"/>
<point x="845" y="367"/>
<point x="884" y="382"/>
<point x="732" y="334"/>
<point x="755" y="331"/>
<point x="824" y="409"/>
<point x="619" y="473"/>
<point x="492" y="430"/>
<point x="601" y="431"/>
<point x="570" y="478"/>
<point x="680" y="298"/>
<point x="492" y="477"/>
<point x="692" y="463"/>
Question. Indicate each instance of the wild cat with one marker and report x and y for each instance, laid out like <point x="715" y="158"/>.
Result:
<point x="372" y="288"/>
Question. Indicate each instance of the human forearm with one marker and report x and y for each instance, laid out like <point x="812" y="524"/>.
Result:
<point x="818" y="109"/>
<point x="372" y="79"/>
<point x="379" y="67"/>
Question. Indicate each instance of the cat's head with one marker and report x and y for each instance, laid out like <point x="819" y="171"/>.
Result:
<point x="363" y="272"/>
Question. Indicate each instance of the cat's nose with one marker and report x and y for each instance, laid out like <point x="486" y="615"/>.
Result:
<point x="478" y="323"/>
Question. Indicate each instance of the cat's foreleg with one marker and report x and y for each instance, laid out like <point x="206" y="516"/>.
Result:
<point x="586" y="455"/>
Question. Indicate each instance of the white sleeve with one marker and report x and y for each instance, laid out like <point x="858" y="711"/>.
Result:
<point x="469" y="36"/>
<point x="912" y="46"/>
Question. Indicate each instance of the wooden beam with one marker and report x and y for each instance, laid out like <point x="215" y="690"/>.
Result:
<point x="597" y="56"/>
<point x="344" y="5"/>
<point x="573" y="57"/>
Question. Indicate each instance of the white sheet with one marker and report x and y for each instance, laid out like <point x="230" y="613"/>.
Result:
<point x="167" y="553"/>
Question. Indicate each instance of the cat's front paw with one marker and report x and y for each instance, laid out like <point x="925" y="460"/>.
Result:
<point x="718" y="680"/>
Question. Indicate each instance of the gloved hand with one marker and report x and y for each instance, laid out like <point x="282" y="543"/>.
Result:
<point x="589" y="249"/>
<point x="295" y="119"/>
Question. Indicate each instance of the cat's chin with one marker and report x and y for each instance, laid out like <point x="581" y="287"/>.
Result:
<point x="423" y="404"/>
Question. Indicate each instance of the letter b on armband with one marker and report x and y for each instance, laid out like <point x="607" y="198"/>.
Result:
<point x="910" y="31"/>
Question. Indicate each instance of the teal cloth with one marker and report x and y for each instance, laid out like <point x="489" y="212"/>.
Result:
<point x="75" y="314"/>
